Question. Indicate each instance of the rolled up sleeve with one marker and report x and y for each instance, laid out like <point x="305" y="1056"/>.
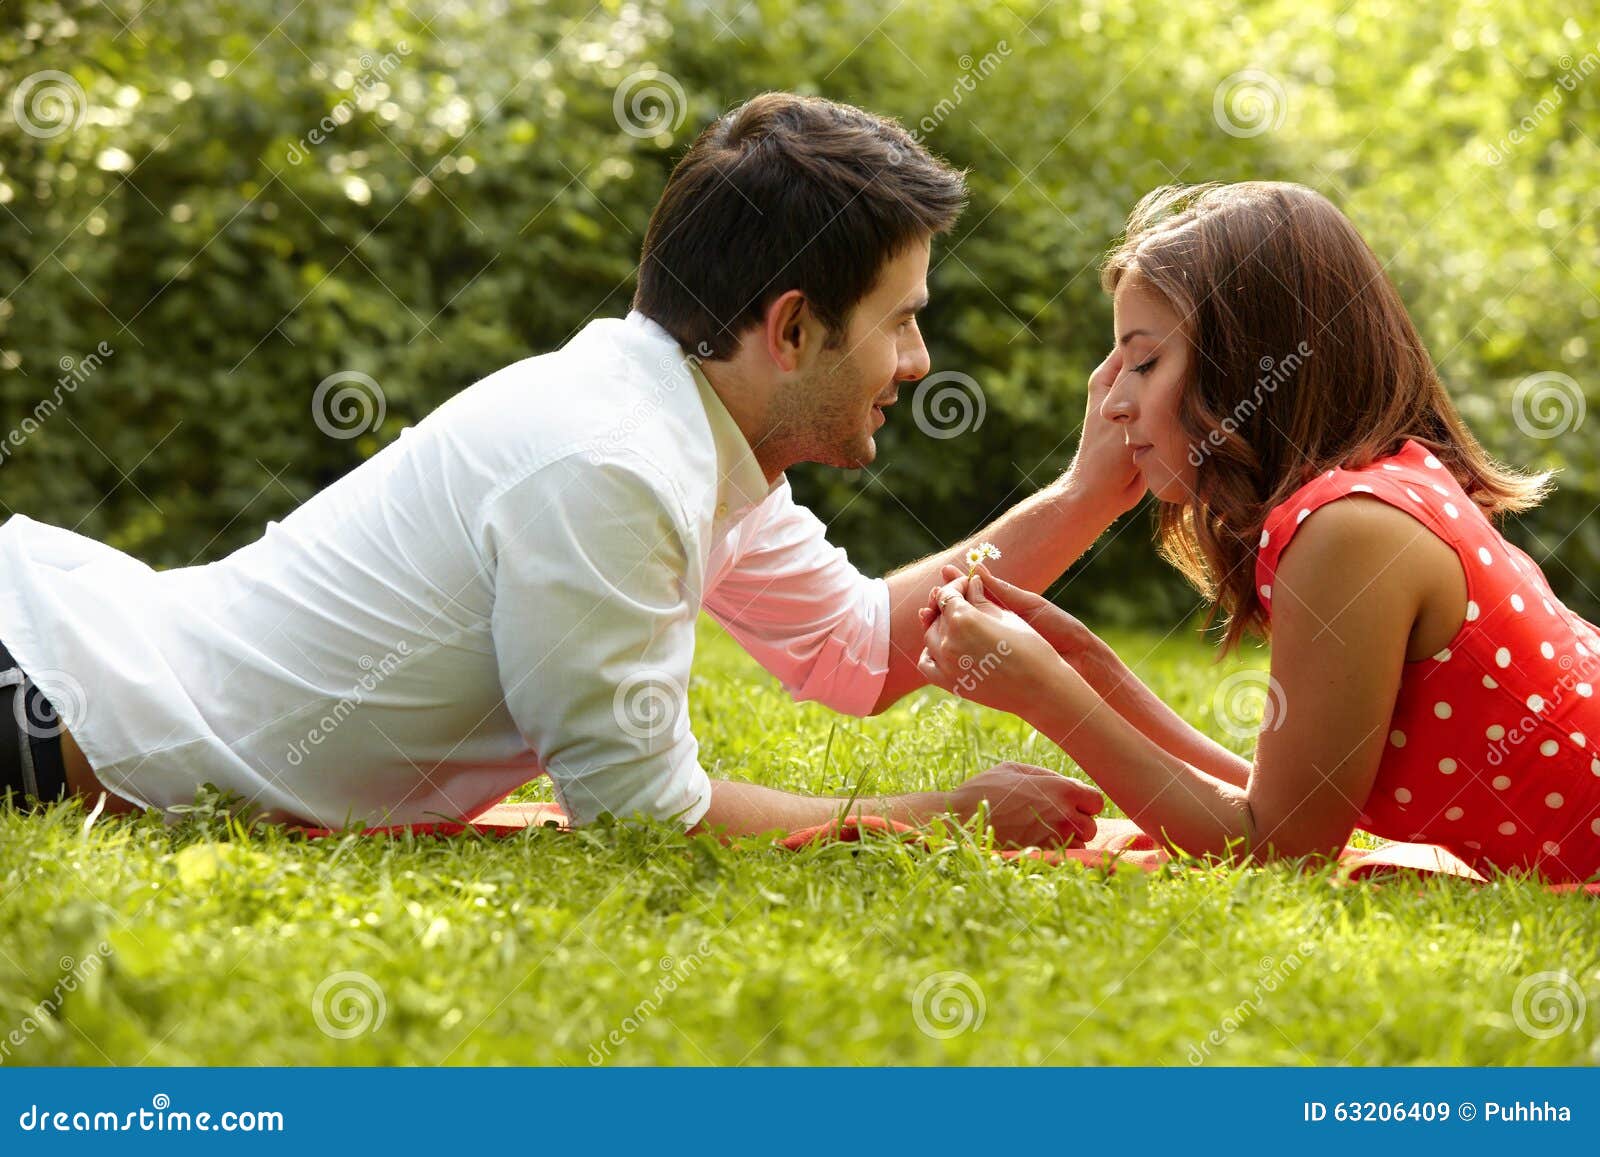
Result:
<point x="593" y="628"/>
<point x="802" y="610"/>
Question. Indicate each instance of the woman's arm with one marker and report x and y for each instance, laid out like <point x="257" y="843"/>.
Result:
<point x="1346" y="598"/>
<point x="1110" y="678"/>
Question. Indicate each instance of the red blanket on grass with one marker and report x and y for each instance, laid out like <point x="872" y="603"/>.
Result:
<point x="1116" y="842"/>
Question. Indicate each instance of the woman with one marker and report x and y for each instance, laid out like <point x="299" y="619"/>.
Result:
<point x="1318" y="485"/>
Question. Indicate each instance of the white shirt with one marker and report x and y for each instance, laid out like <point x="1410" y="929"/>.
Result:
<point x="510" y="588"/>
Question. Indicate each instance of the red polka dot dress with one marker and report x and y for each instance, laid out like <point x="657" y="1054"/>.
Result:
<point x="1494" y="745"/>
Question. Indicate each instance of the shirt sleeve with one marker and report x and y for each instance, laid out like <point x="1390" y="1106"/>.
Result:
<point x="593" y="628"/>
<point x="802" y="610"/>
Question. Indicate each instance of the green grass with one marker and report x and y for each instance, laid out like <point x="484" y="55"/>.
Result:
<point x="537" y="948"/>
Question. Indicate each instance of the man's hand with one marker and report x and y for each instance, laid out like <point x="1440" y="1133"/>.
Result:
<point x="1030" y="806"/>
<point x="1103" y="469"/>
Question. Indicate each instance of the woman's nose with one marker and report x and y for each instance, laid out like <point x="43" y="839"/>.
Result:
<point x="1118" y="405"/>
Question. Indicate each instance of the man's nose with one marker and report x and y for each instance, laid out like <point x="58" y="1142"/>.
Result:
<point x="915" y="362"/>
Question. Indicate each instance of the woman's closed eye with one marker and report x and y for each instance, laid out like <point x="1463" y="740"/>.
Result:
<point x="1145" y="367"/>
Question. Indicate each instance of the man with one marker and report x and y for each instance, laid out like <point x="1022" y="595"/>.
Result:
<point x="511" y="587"/>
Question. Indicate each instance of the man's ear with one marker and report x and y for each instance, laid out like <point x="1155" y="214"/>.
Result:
<point x="790" y="331"/>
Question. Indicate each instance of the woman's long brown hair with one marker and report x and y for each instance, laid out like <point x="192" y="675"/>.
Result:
<point x="1305" y="359"/>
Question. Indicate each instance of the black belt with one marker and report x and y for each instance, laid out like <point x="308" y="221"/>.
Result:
<point x="31" y="764"/>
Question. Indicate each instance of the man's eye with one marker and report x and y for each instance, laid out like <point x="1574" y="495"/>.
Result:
<point x="1145" y="367"/>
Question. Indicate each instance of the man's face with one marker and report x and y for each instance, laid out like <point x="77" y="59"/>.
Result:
<point x="833" y="410"/>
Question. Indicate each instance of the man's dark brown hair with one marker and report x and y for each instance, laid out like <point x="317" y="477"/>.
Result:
<point x="786" y="192"/>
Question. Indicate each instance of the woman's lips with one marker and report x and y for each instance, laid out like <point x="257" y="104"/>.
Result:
<point x="1138" y="450"/>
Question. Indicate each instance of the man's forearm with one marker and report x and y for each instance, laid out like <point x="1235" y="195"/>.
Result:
<point x="1039" y="539"/>
<point x="742" y="809"/>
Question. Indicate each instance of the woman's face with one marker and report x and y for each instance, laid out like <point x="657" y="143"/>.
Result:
<point x="1156" y="356"/>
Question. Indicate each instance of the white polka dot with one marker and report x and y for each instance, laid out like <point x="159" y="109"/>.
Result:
<point x="1496" y="732"/>
<point x="1552" y="848"/>
<point x="1489" y="683"/>
<point x="1266" y="591"/>
<point x="1501" y="782"/>
<point x="1402" y="795"/>
<point x="1594" y="766"/>
<point x="1442" y="709"/>
<point x="1553" y="800"/>
<point x="1443" y="656"/>
<point x="1454" y="813"/>
<point x="1581" y="649"/>
<point x="1548" y="748"/>
<point x="1265" y="538"/>
<point x="1474" y="845"/>
<point x="1594" y="827"/>
<point x="1398" y="738"/>
<point x="1431" y="462"/>
<point x="1502" y="657"/>
<point x="1439" y="488"/>
<point x="1548" y="609"/>
<point x="1535" y="702"/>
<point x="1578" y="738"/>
<point x="1448" y="766"/>
<point x="1302" y="516"/>
<point x="1508" y="829"/>
<point x="1360" y="490"/>
<point x="1547" y="650"/>
<point x="1450" y="509"/>
<point x="1517" y="604"/>
<point x="1413" y="495"/>
<point x="1585" y="690"/>
<point x="1390" y="466"/>
<point x="1484" y="556"/>
<point x="1472" y="611"/>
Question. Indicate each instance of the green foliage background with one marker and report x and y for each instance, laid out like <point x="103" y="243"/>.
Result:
<point x="485" y="202"/>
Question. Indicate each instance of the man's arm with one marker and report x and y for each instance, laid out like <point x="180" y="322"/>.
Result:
<point x="1026" y="806"/>
<point x="1038" y="539"/>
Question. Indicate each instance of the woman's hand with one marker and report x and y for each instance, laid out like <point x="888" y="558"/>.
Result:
<point x="1073" y="641"/>
<point x="983" y="652"/>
